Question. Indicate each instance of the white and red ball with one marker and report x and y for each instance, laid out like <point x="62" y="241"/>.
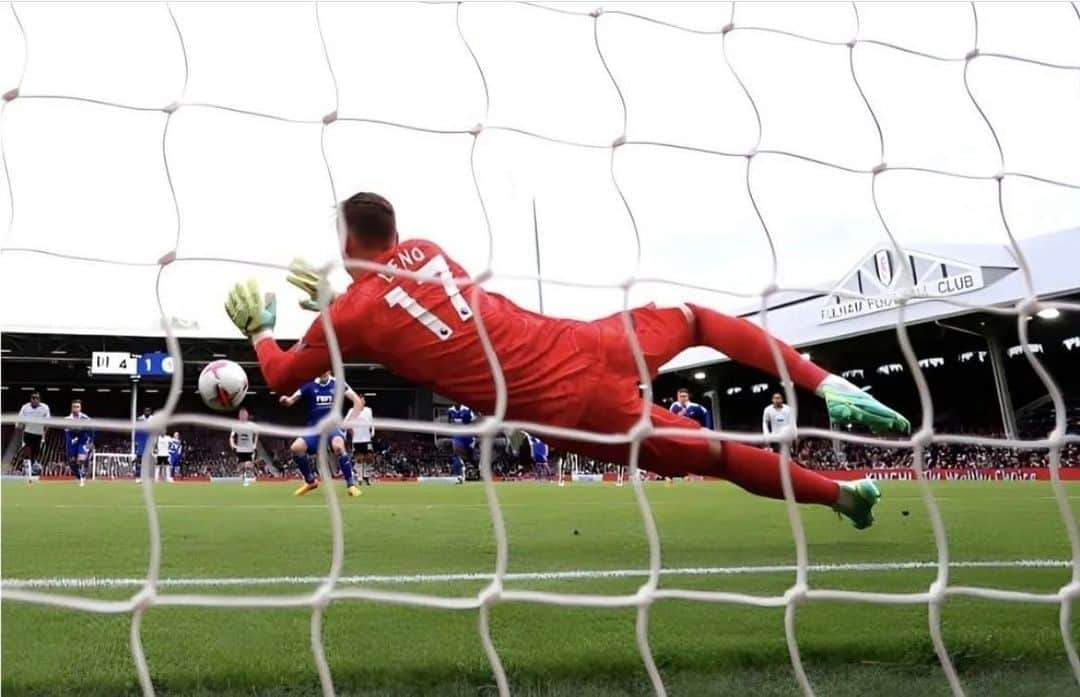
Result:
<point x="223" y="385"/>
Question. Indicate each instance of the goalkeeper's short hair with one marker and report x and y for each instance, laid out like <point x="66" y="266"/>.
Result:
<point x="369" y="217"/>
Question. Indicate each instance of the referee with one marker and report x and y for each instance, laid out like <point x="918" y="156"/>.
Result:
<point x="33" y="434"/>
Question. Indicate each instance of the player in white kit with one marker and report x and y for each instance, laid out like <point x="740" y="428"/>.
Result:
<point x="244" y="441"/>
<point x="361" y="420"/>
<point x="161" y="452"/>
<point x="775" y="418"/>
<point x="32" y="434"/>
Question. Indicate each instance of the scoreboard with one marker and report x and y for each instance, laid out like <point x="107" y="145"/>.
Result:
<point x="157" y="364"/>
<point x="112" y="363"/>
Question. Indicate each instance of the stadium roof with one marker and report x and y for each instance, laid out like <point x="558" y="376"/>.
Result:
<point x="950" y="278"/>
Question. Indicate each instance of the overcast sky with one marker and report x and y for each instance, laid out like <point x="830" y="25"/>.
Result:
<point x="89" y="180"/>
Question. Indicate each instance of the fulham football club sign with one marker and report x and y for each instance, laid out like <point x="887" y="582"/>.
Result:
<point x="884" y="274"/>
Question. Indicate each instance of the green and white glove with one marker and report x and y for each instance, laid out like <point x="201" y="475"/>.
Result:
<point x="250" y="311"/>
<point x="306" y="278"/>
<point x="850" y="405"/>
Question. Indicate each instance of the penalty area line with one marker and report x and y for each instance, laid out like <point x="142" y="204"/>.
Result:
<point x="90" y="583"/>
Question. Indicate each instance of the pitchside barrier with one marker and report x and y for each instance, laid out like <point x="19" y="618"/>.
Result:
<point x="950" y="474"/>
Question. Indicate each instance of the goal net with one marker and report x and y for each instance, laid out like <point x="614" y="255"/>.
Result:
<point x="112" y="466"/>
<point x="580" y="160"/>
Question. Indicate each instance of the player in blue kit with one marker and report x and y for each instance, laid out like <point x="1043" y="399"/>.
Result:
<point x="538" y="450"/>
<point x="318" y="396"/>
<point x="176" y="453"/>
<point x="691" y="410"/>
<point x="463" y="445"/>
<point x="141" y="438"/>
<point x="79" y="442"/>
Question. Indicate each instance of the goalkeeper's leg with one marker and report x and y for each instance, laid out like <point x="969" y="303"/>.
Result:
<point x="747" y="343"/>
<point x="662" y="333"/>
<point x="758" y="471"/>
<point x="753" y="468"/>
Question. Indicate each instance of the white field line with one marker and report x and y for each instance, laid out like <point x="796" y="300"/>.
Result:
<point x="523" y="576"/>
<point x="319" y="506"/>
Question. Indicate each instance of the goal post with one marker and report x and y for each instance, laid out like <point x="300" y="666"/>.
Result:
<point x="112" y="466"/>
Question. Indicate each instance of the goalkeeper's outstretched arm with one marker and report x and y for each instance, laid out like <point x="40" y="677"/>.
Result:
<point x="255" y="315"/>
<point x="285" y="371"/>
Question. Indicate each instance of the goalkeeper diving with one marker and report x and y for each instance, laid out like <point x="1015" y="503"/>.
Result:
<point x="558" y="372"/>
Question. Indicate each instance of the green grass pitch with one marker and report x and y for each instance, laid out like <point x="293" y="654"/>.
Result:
<point x="56" y="530"/>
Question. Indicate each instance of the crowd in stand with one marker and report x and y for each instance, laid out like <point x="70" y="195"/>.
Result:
<point x="827" y="454"/>
<point x="823" y="454"/>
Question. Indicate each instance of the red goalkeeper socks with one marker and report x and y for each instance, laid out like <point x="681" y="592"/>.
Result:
<point x="747" y="343"/>
<point x="758" y="471"/>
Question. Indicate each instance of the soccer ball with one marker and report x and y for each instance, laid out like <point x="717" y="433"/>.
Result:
<point x="223" y="385"/>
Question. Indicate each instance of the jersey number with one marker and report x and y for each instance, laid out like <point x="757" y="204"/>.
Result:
<point x="399" y="297"/>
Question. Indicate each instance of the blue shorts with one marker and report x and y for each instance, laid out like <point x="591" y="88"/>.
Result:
<point x="76" y="449"/>
<point x="464" y="442"/>
<point x="312" y="441"/>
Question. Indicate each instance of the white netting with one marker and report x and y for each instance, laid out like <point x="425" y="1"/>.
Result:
<point x="111" y="465"/>
<point x="494" y="593"/>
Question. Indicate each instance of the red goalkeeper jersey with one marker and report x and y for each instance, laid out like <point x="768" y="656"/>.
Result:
<point x="427" y="333"/>
<point x="558" y="372"/>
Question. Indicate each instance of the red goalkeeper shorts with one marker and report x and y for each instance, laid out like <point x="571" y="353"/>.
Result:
<point x="612" y="399"/>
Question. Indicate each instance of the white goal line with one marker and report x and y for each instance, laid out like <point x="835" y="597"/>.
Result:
<point x="91" y="582"/>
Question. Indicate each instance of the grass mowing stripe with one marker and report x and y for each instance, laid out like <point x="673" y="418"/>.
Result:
<point x="528" y="575"/>
<point x="320" y="506"/>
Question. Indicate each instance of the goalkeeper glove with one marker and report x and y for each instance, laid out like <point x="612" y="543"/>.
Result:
<point x="306" y="278"/>
<point x="850" y="405"/>
<point x="250" y="312"/>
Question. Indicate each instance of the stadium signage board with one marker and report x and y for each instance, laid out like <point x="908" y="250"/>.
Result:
<point x="880" y="280"/>
<point x="978" y="474"/>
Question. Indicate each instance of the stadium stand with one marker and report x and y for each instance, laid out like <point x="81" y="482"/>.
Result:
<point x="960" y="377"/>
